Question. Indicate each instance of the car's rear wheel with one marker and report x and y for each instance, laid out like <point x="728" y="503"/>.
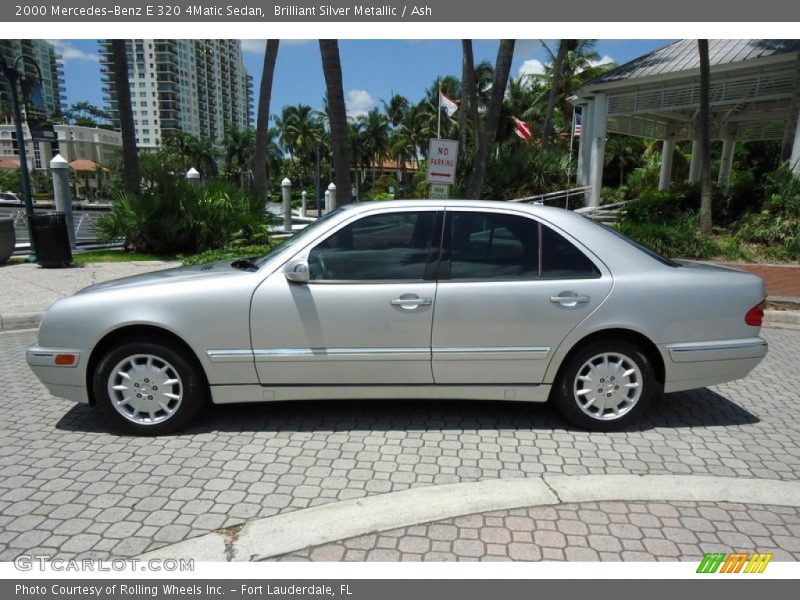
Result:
<point x="148" y="388"/>
<point x="606" y="386"/>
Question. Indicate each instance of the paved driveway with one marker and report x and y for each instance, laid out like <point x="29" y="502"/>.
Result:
<point x="70" y="486"/>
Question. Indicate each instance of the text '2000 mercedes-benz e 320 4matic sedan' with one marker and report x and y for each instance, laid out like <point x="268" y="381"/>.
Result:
<point x="409" y="299"/>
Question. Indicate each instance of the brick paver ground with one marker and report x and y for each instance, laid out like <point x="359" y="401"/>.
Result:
<point x="72" y="487"/>
<point x="779" y="280"/>
<point x="590" y="531"/>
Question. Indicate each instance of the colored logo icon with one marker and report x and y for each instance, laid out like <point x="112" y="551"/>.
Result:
<point x="735" y="562"/>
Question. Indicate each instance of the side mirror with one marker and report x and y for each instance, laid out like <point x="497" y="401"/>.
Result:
<point x="297" y="271"/>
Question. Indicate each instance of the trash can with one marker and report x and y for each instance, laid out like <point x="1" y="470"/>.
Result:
<point x="51" y="240"/>
<point x="8" y="238"/>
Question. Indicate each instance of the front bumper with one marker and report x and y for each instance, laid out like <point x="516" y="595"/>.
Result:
<point x="699" y="364"/>
<point x="66" y="381"/>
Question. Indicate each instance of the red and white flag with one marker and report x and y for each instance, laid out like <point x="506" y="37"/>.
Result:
<point x="450" y="106"/>
<point x="522" y="129"/>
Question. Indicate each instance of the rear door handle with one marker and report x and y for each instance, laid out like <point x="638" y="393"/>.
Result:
<point x="569" y="300"/>
<point x="411" y="302"/>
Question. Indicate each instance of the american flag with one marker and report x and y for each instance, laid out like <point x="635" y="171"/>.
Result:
<point x="576" y="124"/>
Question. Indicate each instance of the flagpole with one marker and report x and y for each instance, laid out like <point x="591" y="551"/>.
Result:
<point x="439" y="123"/>
<point x="572" y="133"/>
<point x="572" y="141"/>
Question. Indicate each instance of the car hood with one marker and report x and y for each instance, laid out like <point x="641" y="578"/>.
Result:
<point x="168" y="276"/>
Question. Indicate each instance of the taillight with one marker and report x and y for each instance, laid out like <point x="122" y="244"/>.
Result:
<point x="755" y="316"/>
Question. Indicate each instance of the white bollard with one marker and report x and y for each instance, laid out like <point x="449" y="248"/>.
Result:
<point x="193" y="176"/>
<point x="303" y="203"/>
<point x="332" y="192"/>
<point x="286" y="190"/>
<point x="59" y="169"/>
<point x="327" y="202"/>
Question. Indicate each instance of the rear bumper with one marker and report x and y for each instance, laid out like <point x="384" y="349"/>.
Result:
<point x="63" y="381"/>
<point x="698" y="364"/>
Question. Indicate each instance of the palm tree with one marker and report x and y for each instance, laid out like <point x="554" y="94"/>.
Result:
<point x="705" y="138"/>
<point x="555" y="82"/>
<point x="376" y="137"/>
<point x="402" y="148"/>
<point x="502" y="69"/>
<point x="396" y="108"/>
<point x="484" y="76"/>
<point x="359" y="156"/>
<point x="260" y="153"/>
<point x="469" y="96"/>
<point x="130" y="153"/>
<point x="181" y="150"/>
<point x="239" y="150"/>
<point x="337" y="117"/>
<point x="301" y="130"/>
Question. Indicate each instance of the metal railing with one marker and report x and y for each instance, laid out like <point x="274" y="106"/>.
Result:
<point x="558" y="198"/>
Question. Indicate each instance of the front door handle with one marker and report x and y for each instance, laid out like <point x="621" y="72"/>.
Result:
<point x="569" y="299"/>
<point x="409" y="302"/>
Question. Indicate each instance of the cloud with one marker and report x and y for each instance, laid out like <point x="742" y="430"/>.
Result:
<point x="69" y="52"/>
<point x="359" y="102"/>
<point x="531" y="67"/>
<point x="257" y="46"/>
<point x="603" y="61"/>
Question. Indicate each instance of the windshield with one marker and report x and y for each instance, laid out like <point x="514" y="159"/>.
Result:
<point x="297" y="238"/>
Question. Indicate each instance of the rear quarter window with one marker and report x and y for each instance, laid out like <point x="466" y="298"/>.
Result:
<point x="561" y="259"/>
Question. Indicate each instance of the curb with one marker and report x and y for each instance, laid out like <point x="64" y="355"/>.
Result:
<point x="292" y="531"/>
<point x="788" y="319"/>
<point x="22" y="320"/>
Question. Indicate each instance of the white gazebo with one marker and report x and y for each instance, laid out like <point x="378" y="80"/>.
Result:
<point x="658" y="96"/>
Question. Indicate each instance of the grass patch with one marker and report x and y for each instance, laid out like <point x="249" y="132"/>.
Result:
<point x="111" y="255"/>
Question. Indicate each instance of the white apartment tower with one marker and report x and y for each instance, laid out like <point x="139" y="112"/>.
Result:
<point x="197" y="86"/>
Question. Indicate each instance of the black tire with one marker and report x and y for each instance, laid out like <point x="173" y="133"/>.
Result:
<point x="569" y="402"/>
<point x="192" y="387"/>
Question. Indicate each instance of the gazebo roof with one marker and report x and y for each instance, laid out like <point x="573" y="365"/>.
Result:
<point x="682" y="56"/>
<point x="752" y="82"/>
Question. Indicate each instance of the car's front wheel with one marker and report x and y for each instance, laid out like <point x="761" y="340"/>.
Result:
<point x="606" y="386"/>
<point x="148" y="388"/>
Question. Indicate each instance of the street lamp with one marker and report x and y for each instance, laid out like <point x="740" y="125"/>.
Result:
<point x="12" y="76"/>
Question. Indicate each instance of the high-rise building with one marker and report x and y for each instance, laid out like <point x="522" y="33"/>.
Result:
<point x="196" y="86"/>
<point x="52" y="69"/>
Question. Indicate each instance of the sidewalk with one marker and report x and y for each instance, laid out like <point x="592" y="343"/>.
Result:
<point x="27" y="290"/>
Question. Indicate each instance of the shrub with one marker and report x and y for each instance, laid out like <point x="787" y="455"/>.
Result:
<point x="229" y="252"/>
<point x="778" y="223"/>
<point x="733" y="249"/>
<point x="657" y="207"/>
<point x="177" y="217"/>
<point x="679" y="240"/>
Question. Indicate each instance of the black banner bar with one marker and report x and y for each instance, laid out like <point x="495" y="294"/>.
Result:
<point x="399" y="11"/>
<point x="730" y="588"/>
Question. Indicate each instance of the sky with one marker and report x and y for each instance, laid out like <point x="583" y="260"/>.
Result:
<point x="372" y="69"/>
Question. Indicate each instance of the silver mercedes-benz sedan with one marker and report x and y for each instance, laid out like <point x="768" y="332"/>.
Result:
<point x="409" y="299"/>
